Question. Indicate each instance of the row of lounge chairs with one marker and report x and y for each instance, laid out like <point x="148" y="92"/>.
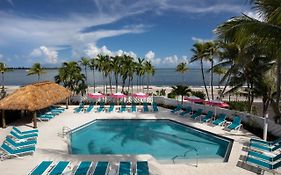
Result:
<point x="265" y="155"/>
<point x="111" y="108"/>
<point x="49" y="113"/>
<point x="220" y="120"/>
<point x="89" y="167"/>
<point x="19" y="143"/>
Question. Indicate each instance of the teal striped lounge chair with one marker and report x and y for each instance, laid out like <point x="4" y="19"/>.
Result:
<point x="83" y="168"/>
<point x="186" y="111"/>
<point x="133" y="107"/>
<point x="264" y="147"/>
<point x="264" y="156"/>
<point x="59" y="168"/>
<point x="44" y="117"/>
<point x="90" y="108"/>
<point x="20" y="137"/>
<point x="262" y="161"/>
<point x="16" y="145"/>
<point x="10" y="152"/>
<point x="208" y="117"/>
<point x="145" y="107"/>
<point x="125" y="168"/>
<point x="154" y="107"/>
<point x="101" y="168"/>
<point x="197" y="114"/>
<point x="142" y="168"/>
<point x="58" y="108"/>
<point x="220" y="120"/>
<point x="80" y="108"/>
<point x="101" y="108"/>
<point x="41" y="168"/>
<point x="235" y="124"/>
<point x="123" y="107"/>
<point x="25" y="132"/>
<point x="111" y="107"/>
<point x="177" y="109"/>
<point x="265" y="143"/>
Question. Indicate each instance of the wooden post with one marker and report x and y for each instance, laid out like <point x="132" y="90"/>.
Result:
<point x="34" y="120"/>
<point x="66" y="103"/>
<point x="3" y="119"/>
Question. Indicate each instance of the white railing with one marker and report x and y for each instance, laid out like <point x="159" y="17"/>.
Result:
<point x="257" y="121"/>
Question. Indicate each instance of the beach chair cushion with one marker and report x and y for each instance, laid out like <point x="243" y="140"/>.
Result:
<point x="101" y="168"/>
<point x="59" y="168"/>
<point x="20" y="144"/>
<point x="41" y="168"/>
<point x="25" y="132"/>
<point x="83" y="168"/>
<point x="125" y="168"/>
<point x="142" y="168"/>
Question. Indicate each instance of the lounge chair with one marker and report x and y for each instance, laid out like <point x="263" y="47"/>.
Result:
<point x="125" y="168"/>
<point x="264" y="156"/>
<point x="186" y="111"/>
<point x="90" y="108"/>
<point x="41" y="168"/>
<point x="101" y="168"/>
<point x="266" y="143"/>
<point x="177" y="109"/>
<point x="25" y="132"/>
<point x="80" y="108"/>
<point x="197" y="114"/>
<point x="145" y="107"/>
<point x="111" y="107"/>
<point x="133" y="107"/>
<point x="142" y="168"/>
<point x="101" y="108"/>
<point x="208" y="117"/>
<point x="15" y="152"/>
<point x="154" y="107"/>
<point x="123" y="107"/>
<point x="20" y="137"/>
<point x="44" y="117"/>
<point x="57" y="108"/>
<point x="59" y="168"/>
<point x="235" y="124"/>
<point x="83" y="168"/>
<point x="16" y="145"/>
<point x="264" y="147"/>
<point x="220" y="120"/>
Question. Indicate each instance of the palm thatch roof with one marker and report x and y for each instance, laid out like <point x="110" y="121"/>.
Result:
<point x="35" y="96"/>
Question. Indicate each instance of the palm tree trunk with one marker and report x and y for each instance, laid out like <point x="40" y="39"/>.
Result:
<point x="182" y="78"/>
<point x="203" y="77"/>
<point x="2" y="81"/>
<point x="110" y="83"/>
<point x="129" y="83"/>
<point x="278" y="81"/>
<point x="147" y="87"/>
<point x="38" y="77"/>
<point x="212" y="79"/>
<point x="94" y="80"/>
<point x="116" y="82"/>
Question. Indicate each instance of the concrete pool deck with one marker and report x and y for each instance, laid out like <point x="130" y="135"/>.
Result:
<point x="53" y="146"/>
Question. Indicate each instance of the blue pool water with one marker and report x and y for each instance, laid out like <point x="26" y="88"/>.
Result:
<point x="163" y="139"/>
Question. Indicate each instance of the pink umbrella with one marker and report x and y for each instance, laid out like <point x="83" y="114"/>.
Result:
<point x="96" y="95"/>
<point x="218" y="103"/>
<point x="194" y="99"/>
<point x="118" y="95"/>
<point x="140" y="95"/>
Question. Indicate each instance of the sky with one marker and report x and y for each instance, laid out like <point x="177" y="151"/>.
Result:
<point x="163" y="31"/>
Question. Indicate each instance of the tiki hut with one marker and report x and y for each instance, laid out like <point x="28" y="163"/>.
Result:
<point x="34" y="97"/>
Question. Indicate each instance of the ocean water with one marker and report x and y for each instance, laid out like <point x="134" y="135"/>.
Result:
<point x="162" y="77"/>
<point x="163" y="139"/>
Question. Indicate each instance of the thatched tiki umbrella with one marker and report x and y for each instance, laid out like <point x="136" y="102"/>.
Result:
<point x="34" y="97"/>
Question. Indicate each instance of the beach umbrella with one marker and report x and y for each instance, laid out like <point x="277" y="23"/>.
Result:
<point x="194" y="99"/>
<point x="140" y="95"/>
<point x="118" y="95"/>
<point x="217" y="103"/>
<point x="95" y="95"/>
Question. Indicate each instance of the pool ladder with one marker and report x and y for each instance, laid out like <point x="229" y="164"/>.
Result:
<point x="185" y="154"/>
<point x="65" y="131"/>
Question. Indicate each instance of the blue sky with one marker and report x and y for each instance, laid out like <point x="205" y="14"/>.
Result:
<point x="163" y="31"/>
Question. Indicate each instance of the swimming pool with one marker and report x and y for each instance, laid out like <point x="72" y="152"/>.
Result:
<point x="163" y="139"/>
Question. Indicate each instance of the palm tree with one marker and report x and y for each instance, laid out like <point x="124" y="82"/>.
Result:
<point x="85" y="62"/>
<point x="266" y="32"/>
<point x="140" y="71"/>
<point x="101" y="66"/>
<point x="182" y="68"/>
<point x="116" y="61"/>
<point x="199" y="54"/>
<point x="182" y="91"/>
<point x="36" y="69"/>
<point x="3" y="69"/>
<point x="150" y="70"/>
<point x="219" y="70"/>
<point x="70" y="75"/>
<point x="92" y="66"/>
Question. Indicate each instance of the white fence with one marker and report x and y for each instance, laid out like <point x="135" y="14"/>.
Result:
<point x="252" y="120"/>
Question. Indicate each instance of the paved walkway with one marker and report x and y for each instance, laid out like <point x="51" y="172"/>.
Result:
<point x="52" y="146"/>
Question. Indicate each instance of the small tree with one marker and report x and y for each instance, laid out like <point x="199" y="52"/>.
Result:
<point x="181" y="90"/>
<point x="36" y="69"/>
<point x="182" y="68"/>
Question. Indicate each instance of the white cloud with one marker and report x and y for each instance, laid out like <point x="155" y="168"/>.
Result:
<point x="150" y="55"/>
<point x="174" y="60"/>
<point x="196" y="39"/>
<point x="50" y="55"/>
<point x="1" y="56"/>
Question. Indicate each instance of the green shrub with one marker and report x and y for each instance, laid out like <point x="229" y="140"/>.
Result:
<point x="199" y="94"/>
<point x="171" y="95"/>
<point x="241" y="106"/>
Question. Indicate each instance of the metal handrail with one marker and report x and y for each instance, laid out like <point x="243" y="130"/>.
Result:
<point x="184" y="155"/>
